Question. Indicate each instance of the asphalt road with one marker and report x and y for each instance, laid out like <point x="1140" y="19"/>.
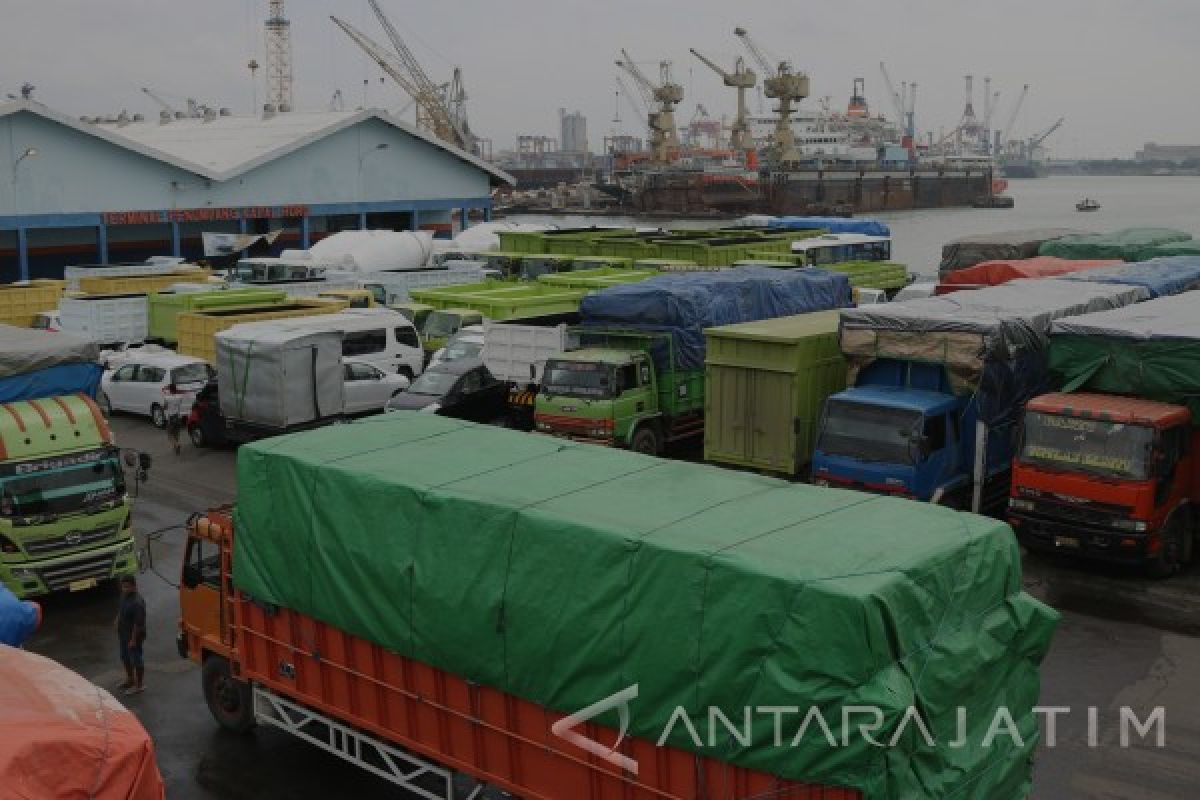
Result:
<point x="1123" y="641"/>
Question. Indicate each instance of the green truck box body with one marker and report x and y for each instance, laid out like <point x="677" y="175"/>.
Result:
<point x="596" y="278"/>
<point x="521" y="241"/>
<point x="765" y="386"/>
<point x="886" y="275"/>
<point x="1128" y="244"/>
<point x="723" y="252"/>
<point x="503" y="300"/>
<point x="563" y="573"/>
<point x="164" y="307"/>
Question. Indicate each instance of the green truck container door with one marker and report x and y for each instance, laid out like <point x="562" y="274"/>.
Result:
<point x="766" y="383"/>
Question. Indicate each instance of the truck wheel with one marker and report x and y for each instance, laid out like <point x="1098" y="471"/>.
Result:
<point x="229" y="700"/>
<point x="158" y="416"/>
<point x="645" y="441"/>
<point x="1169" y="558"/>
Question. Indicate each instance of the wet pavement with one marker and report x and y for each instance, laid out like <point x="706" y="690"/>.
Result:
<point x="1124" y="641"/>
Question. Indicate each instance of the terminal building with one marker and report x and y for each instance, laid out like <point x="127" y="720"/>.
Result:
<point x="82" y="191"/>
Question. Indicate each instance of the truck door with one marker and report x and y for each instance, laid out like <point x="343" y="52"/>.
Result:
<point x="939" y="448"/>
<point x="200" y="590"/>
<point x="632" y="398"/>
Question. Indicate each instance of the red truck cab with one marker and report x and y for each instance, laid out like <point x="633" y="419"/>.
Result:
<point x="1107" y="477"/>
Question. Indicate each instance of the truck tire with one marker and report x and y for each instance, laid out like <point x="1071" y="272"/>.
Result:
<point x="646" y="441"/>
<point x="229" y="700"/>
<point x="1169" y="558"/>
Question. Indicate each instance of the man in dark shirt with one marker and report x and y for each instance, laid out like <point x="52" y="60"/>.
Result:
<point x="131" y="633"/>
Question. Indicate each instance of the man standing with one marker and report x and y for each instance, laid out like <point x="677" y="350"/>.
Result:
<point x="131" y="634"/>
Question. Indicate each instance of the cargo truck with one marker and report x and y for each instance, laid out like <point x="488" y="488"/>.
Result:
<point x="1110" y="469"/>
<point x="65" y="514"/>
<point x="937" y="388"/>
<point x="637" y="380"/>
<point x="513" y="580"/>
<point x="516" y="354"/>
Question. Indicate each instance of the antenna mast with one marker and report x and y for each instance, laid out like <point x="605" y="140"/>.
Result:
<point x="279" y="58"/>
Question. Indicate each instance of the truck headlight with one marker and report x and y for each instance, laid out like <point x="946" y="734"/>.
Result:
<point x="1020" y="504"/>
<point x="1134" y="525"/>
<point x="125" y="549"/>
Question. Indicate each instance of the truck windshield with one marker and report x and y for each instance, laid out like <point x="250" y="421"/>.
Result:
<point x="869" y="432"/>
<point x="60" y="484"/>
<point x="1088" y="445"/>
<point x="441" y="324"/>
<point x="578" y="379"/>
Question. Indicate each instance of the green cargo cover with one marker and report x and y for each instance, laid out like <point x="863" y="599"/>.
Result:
<point x="563" y="573"/>
<point x="1128" y="244"/>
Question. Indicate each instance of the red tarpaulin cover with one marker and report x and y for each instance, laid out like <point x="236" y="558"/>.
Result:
<point x="994" y="273"/>
<point x="63" y="737"/>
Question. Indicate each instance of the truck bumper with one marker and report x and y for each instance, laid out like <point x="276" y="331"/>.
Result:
<point x="1045" y="536"/>
<point x="74" y="572"/>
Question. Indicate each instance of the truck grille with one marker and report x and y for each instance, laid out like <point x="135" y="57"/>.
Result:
<point x="61" y="576"/>
<point x="69" y="540"/>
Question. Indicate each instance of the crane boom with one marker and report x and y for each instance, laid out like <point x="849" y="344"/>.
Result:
<point x="754" y="51"/>
<point x="156" y="98"/>
<point x="711" y="65"/>
<point x="1012" y="118"/>
<point x="633" y="97"/>
<point x="897" y="101"/>
<point x="383" y="59"/>
<point x="643" y="83"/>
<point x="1035" y="141"/>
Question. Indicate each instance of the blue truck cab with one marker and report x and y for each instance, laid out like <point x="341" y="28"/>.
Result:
<point x="903" y="431"/>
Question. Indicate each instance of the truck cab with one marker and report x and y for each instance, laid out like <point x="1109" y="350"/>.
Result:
<point x="611" y="392"/>
<point x="892" y="440"/>
<point x="65" y="519"/>
<point x="1107" y="477"/>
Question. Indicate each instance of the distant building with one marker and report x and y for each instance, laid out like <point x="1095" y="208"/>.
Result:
<point x="1175" y="153"/>
<point x="79" y="192"/>
<point x="574" y="131"/>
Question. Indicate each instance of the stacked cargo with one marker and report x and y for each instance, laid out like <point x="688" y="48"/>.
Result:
<point x="867" y="227"/>
<point x="968" y="251"/>
<point x="609" y="570"/>
<point x="499" y="301"/>
<point x="1160" y="276"/>
<point x="1125" y="245"/>
<point x="196" y="329"/>
<point x="144" y="283"/>
<point x="596" y="278"/>
<point x="20" y="303"/>
<point x="164" y="307"/>
<point x="156" y="265"/>
<point x="765" y="384"/>
<point x="998" y="271"/>
<point x="107" y="319"/>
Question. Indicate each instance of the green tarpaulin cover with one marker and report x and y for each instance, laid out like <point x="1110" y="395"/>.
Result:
<point x="1149" y="350"/>
<point x="1129" y="244"/>
<point x="563" y="573"/>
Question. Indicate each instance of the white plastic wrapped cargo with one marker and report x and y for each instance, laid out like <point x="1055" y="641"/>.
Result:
<point x="106" y="319"/>
<point x="396" y="285"/>
<point x="518" y="353"/>
<point x="276" y="376"/>
<point x="372" y="251"/>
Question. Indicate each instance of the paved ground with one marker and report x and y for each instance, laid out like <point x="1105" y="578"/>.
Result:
<point x="1123" y="641"/>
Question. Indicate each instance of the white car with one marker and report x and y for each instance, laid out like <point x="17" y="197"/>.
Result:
<point x="120" y="355"/>
<point x="467" y="343"/>
<point x="154" y="384"/>
<point x="368" y="388"/>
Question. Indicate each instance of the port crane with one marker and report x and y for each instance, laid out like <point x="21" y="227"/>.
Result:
<point x="783" y="84"/>
<point x="1027" y="149"/>
<point x="440" y="110"/>
<point x="743" y="79"/>
<point x="905" y="103"/>
<point x="636" y="103"/>
<point x="664" y="134"/>
<point x="1006" y="132"/>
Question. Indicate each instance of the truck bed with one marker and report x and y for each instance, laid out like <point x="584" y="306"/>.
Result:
<point x="483" y="732"/>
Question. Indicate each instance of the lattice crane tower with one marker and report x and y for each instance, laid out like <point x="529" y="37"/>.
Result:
<point x="279" y="58"/>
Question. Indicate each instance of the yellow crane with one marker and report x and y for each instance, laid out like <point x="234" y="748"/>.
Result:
<point x="664" y="134"/>
<point x="781" y="83"/>
<point x="743" y="79"/>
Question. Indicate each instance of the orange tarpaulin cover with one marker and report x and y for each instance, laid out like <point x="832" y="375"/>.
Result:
<point x="63" y="737"/>
<point x="994" y="273"/>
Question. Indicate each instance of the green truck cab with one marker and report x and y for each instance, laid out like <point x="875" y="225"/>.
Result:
<point x="417" y="313"/>
<point x="621" y="389"/>
<point x="65" y="519"/>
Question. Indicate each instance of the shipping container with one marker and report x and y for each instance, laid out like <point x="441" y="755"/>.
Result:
<point x="20" y="303"/>
<point x="106" y="319"/>
<point x="164" y="307"/>
<point x="197" y="329"/>
<point x="765" y="385"/>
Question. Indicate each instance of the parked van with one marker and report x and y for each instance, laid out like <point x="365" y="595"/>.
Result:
<point x="379" y="336"/>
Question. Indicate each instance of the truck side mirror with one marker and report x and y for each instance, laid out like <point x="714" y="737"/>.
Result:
<point x="190" y="577"/>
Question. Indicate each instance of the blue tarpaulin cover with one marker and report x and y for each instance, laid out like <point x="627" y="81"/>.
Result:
<point x="36" y="364"/>
<point x="685" y="304"/>
<point x="18" y="618"/>
<point x="1159" y="276"/>
<point x="868" y="227"/>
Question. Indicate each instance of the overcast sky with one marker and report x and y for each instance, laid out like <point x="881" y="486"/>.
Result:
<point x="1122" y="72"/>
